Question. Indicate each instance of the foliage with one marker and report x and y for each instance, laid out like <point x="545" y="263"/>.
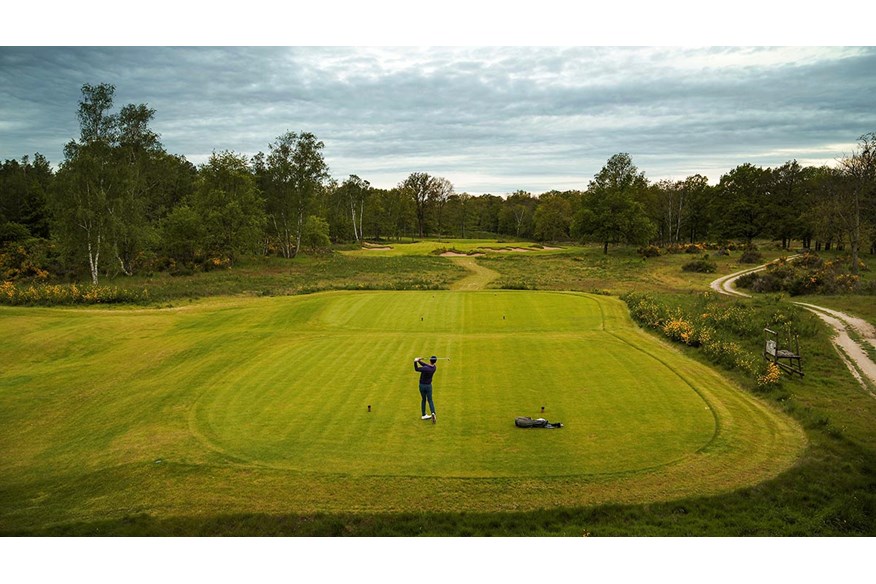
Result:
<point x="552" y="218"/>
<point x="60" y="294"/>
<point x="11" y="232"/>
<point x="612" y="209"/>
<point x="295" y="173"/>
<point x="315" y="234"/>
<point x="751" y="255"/>
<point x="229" y="206"/>
<point x="27" y="259"/>
<point x="729" y="334"/>
<point x="651" y="251"/>
<point x="702" y="265"/>
<point x="742" y="209"/>
<point x="182" y="235"/>
<point x="809" y="274"/>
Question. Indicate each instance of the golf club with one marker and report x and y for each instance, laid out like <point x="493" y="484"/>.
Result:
<point x="437" y="358"/>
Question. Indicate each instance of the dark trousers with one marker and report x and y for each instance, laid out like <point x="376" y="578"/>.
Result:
<point x="426" y="394"/>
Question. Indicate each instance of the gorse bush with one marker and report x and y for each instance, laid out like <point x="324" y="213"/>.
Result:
<point x="65" y="294"/>
<point x="729" y="333"/>
<point x="27" y="259"/>
<point x="652" y="251"/>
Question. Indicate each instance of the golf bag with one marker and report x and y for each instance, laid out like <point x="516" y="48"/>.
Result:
<point x="527" y="422"/>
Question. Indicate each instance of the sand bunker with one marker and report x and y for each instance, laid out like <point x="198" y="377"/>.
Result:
<point x="454" y="254"/>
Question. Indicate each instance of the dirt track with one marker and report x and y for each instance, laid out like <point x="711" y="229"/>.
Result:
<point x="851" y="350"/>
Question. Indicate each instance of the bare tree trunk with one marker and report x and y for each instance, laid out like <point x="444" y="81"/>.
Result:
<point x="353" y="214"/>
<point x="94" y="259"/>
<point x="298" y="235"/>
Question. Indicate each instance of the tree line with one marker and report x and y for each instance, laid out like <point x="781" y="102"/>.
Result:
<point x="119" y="203"/>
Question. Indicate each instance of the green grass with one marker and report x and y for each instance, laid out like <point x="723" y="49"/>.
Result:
<point x="260" y="406"/>
<point x="273" y="276"/>
<point x="84" y="454"/>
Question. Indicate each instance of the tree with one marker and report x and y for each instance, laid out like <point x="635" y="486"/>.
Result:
<point x="611" y="210"/>
<point x="296" y="174"/>
<point x="859" y="170"/>
<point x="354" y="192"/>
<point x="742" y="202"/>
<point x="229" y="205"/>
<point x="393" y="213"/>
<point x="24" y="186"/>
<point x="316" y="234"/>
<point x="440" y="190"/>
<point x="786" y="203"/>
<point x="679" y="208"/>
<point x="697" y="193"/>
<point x="418" y="187"/>
<point x="136" y="149"/>
<point x="182" y="234"/>
<point x="517" y="214"/>
<point x="110" y="188"/>
<point x="552" y="217"/>
<point x="458" y="213"/>
<point x="88" y="180"/>
<point x="485" y="209"/>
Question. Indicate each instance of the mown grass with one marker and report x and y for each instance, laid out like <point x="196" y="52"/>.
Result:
<point x="259" y="405"/>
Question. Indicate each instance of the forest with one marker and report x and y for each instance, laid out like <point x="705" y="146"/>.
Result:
<point x="120" y="204"/>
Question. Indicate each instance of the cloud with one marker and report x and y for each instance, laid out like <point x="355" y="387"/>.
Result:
<point x="490" y="119"/>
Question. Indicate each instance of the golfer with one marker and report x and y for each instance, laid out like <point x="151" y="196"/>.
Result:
<point x="426" y="371"/>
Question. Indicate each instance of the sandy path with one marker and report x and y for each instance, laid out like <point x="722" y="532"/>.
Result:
<point x="851" y="351"/>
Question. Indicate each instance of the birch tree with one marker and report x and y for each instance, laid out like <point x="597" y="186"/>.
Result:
<point x="297" y="174"/>
<point x="355" y="192"/>
<point x="87" y="180"/>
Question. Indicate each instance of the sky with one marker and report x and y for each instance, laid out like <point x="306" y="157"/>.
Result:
<point x="491" y="119"/>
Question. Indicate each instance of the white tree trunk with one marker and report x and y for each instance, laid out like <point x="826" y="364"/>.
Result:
<point x="94" y="259"/>
<point x="353" y="214"/>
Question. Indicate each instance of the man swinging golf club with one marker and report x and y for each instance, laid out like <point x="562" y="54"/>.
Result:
<point x="426" y="371"/>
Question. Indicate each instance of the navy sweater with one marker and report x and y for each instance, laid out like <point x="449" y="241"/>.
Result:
<point x="426" y="372"/>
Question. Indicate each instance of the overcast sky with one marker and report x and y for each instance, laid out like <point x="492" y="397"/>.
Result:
<point x="489" y="119"/>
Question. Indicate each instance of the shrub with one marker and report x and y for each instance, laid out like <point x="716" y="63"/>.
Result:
<point x="702" y="265"/>
<point x="27" y="259"/>
<point x="58" y="294"/>
<point x="770" y="377"/>
<point x="680" y="330"/>
<point x="807" y="275"/>
<point x="751" y="255"/>
<point x="13" y="232"/>
<point x="652" y="251"/>
<point x="725" y="332"/>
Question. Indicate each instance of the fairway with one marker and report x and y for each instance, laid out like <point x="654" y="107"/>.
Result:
<point x="262" y="405"/>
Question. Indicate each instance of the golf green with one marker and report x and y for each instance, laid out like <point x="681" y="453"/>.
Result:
<point x="311" y="403"/>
